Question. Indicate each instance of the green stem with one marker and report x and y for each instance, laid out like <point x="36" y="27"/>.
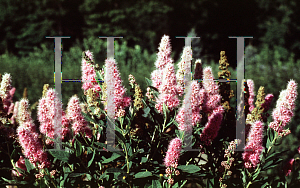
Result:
<point x="127" y="162"/>
<point x="274" y="140"/>
<point x="50" y="179"/>
<point x="70" y="167"/>
<point x="249" y="184"/>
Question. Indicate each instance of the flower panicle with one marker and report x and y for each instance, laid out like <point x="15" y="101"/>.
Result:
<point x="89" y="73"/>
<point x="250" y="85"/>
<point x="284" y="110"/>
<point x="168" y="90"/>
<point x="29" y="138"/>
<point x="191" y="107"/>
<point x="115" y="89"/>
<point x="79" y="124"/>
<point x="253" y="149"/>
<point x="173" y="153"/>
<point x="210" y="131"/>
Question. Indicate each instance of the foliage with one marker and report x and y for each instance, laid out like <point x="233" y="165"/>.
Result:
<point x="142" y="135"/>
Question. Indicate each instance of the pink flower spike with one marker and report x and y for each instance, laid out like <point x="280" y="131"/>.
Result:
<point x="208" y="82"/>
<point x="173" y="153"/>
<point x="268" y="101"/>
<point x="5" y="86"/>
<point x="89" y="74"/>
<point x="193" y="101"/>
<point x="79" y="124"/>
<point x="285" y="106"/>
<point x="254" y="146"/>
<point x="50" y="112"/>
<point x="168" y="90"/>
<point x="250" y="85"/>
<point x="164" y="54"/>
<point x="115" y="89"/>
<point x="210" y="132"/>
<point x="28" y="138"/>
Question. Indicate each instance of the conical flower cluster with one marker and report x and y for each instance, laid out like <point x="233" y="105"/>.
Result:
<point x="254" y="146"/>
<point x="193" y="103"/>
<point x="173" y="153"/>
<point x="184" y="66"/>
<point x="163" y="57"/>
<point x="29" y="138"/>
<point x="250" y="85"/>
<point x="7" y="93"/>
<point x="89" y="73"/>
<point x="49" y="109"/>
<point x="168" y="90"/>
<point x="212" y="91"/>
<point x="79" y="124"/>
<point x="285" y="106"/>
<point x="212" y="106"/>
<point x="115" y="89"/>
<point x="210" y="131"/>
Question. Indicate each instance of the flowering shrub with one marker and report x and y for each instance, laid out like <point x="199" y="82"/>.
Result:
<point x="150" y="131"/>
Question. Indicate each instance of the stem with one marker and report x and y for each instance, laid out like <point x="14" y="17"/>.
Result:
<point x="126" y="158"/>
<point x="70" y="167"/>
<point x="249" y="184"/>
<point x="151" y="142"/>
<point x="274" y="140"/>
<point x="50" y="178"/>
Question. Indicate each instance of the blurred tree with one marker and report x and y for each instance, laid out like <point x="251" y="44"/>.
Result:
<point x="140" y="23"/>
<point x="26" y="23"/>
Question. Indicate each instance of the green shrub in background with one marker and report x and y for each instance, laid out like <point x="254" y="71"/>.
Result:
<point x="273" y="69"/>
<point x="37" y="69"/>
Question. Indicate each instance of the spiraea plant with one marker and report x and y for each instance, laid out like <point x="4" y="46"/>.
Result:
<point x="151" y="130"/>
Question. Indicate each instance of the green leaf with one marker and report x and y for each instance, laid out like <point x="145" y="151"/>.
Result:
<point x="156" y="184"/>
<point x="144" y="159"/>
<point x="113" y="157"/>
<point x="88" y="118"/>
<point x="270" y="134"/>
<point x="62" y="182"/>
<point x="89" y="177"/>
<point x="189" y="169"/>
<point x="42" y="183"/>
<point x="143" y="174"/>
<point x="275" y="155"/>
<point x="78" y="148"/>
<point x="114" y="170"/>
<point x="28" y="164"/>
<point x="265" y="185"/>
<point x="149" y="82"/>
<point x="100" y="144"/>
<point x="210" y="183"/>
<point x="129" y="149"/>
<point x="165" y="110"/>
<point x="269" y="163"/>
<point x="60" y="154"/>
<point x="13" y="153"/>
<point x="73" y="175"/>
<point x="146" y="112"/>
<point x="98" y="77"/>
<point x="15" y="182"/>
<point x="92" y="159"/>
<point x="183" y="183"/>
<point x="135" y="154"/>
<point x="272" y="165"/>
<point x="244" y="178"/>
<point x="256" y="174"/>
